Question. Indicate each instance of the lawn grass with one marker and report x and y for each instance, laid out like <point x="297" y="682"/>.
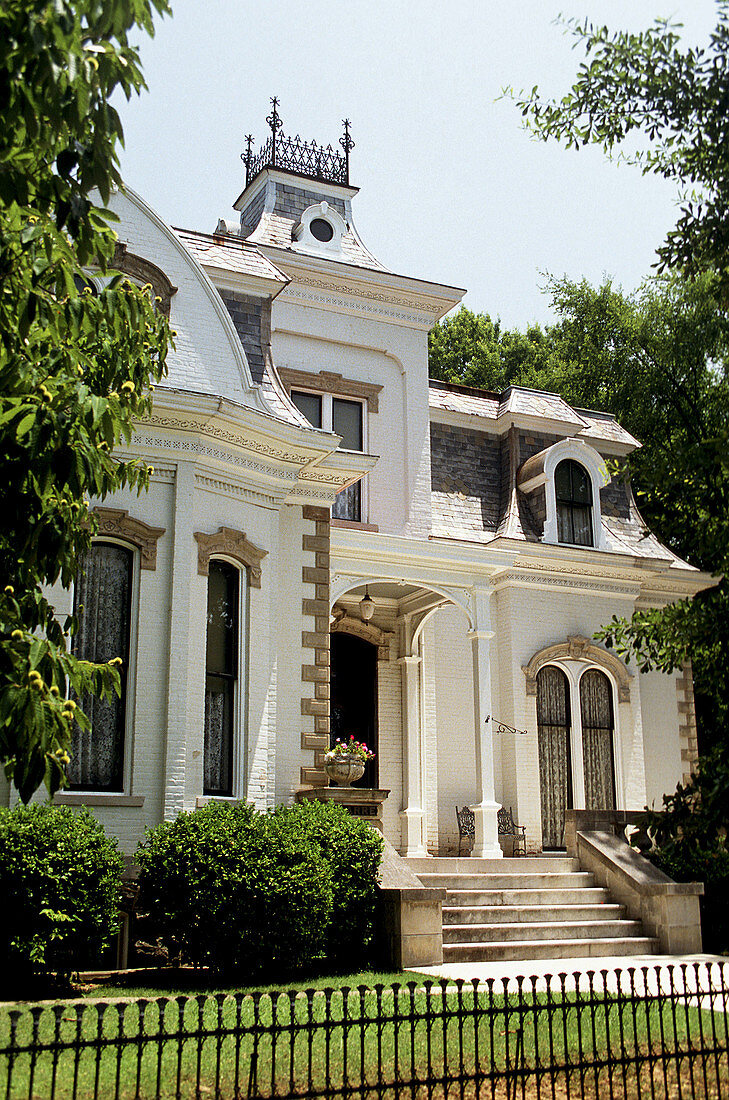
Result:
<point x="173" y="981"/>
<point x="293" y="1042"/>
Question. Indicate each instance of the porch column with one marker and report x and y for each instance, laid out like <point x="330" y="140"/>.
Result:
<point x="412" y="815"/>
<point x="486" y="842"/>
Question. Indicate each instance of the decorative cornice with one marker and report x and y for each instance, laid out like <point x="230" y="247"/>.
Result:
<point x="233" y="544"/>
<point x="578" y="648"/>
<point x="326" y="381"/>
<point x="117" y="523"/>
<point x="146" y="272"/>
<point x="358" y="292"/>
<point x="421" y="320"/>
<point x="197" y="447"/>
<point x="238" y="439"/>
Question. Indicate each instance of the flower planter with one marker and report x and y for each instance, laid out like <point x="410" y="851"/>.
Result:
<point x="345" y="770"/>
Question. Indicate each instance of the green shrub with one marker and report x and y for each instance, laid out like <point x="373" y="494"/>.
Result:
<point x="261" y="894"/>
<point x="353" y="851"/>
<point x="690" y="837"/>
<point x="59" y="883"/>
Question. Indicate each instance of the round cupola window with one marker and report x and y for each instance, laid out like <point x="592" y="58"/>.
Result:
<point x="321" y="229"/>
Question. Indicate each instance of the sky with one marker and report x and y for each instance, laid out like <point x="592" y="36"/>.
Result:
<point x="452" y="188"/>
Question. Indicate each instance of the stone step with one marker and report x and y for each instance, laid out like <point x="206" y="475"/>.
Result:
<point x="528" y="914"/>
<point x="549" y="880"/>
<point x="468" y="865"/>
<point x="518" y="950"/>
<point x="593" y="895"/>
<point x="544" y="930"/>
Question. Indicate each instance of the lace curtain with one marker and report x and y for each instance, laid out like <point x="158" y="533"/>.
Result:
<point x="221" y="677"/>
<point x="553" y="732"/>
<point x="102" y="605"/>
<point x="596" y="705"/>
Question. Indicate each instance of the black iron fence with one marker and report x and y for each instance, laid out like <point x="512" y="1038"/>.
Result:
<point x="647" y="1032"/>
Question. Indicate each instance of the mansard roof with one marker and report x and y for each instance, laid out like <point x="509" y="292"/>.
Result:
<point x="496" y="412"/>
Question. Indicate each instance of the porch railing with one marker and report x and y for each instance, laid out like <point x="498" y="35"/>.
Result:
<point x="653" y="1031"/>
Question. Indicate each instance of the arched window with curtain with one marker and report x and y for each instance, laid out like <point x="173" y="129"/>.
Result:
<point x="555" y="769"/>
<point x="102" y="606"/>
<point x="221" y="677"/>
<point x="573" y="493"/>
<point x="596" y="707"/>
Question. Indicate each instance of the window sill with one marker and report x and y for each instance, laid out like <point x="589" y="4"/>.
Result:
<point x="97" y="798"/>
<point x="354" y="525"/>
<point x="204" y="799"/>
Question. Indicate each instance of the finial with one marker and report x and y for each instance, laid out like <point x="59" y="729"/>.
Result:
<point x="273" y="119"/>
<point x="247" y="156"/>
<point x="347" y="144"/>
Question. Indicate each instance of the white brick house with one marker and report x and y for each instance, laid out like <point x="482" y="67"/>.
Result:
<point x="483" y="526"/>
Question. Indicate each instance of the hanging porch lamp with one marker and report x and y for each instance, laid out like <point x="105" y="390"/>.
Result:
<point x="366" y="606"/>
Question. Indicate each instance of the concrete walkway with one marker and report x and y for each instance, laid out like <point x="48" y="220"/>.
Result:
<point x="704" y="975"/>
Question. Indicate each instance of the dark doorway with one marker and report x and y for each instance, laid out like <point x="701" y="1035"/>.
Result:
<point x="354" y="696"/>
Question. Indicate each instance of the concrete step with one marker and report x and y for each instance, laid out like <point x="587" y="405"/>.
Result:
<point x="551" y="880"/>
<point x="469" y="866"/>
<point x="544" y="930"/>
<point x="593" y="895"/>
<point x="529" y="914"/>
<point x="518" y="950"/>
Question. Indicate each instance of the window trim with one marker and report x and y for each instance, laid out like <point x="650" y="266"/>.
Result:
<point x="540" y="470"/>
<point x="574" y="669"/>
<point x="80" y="793"/>
<point x="328" y="398"/>
<point x="239" y="770"/>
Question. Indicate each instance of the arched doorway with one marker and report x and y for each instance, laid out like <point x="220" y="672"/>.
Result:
<point x="354" y="696"/>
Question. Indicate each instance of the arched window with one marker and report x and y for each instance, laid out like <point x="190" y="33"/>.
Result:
<point x="596" y="709"/>
<point x="573" y="492"/>
<point x="221" y="677"/>
<point x="102" y="606"/>
<point x="555" y="758"/>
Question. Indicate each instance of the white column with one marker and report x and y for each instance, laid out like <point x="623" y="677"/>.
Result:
<point x="412" y="815"/>
<point x="486" y="842"/>
<point x="183" y="657"/>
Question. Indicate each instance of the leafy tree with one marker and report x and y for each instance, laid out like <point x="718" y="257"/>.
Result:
<point x="75" y="366"/>
<point x="634" y="87"/>
<point x="470" y="349"/>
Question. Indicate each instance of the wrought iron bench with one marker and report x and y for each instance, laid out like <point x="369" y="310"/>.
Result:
<point x="466" y="825"/>
<point x="508" y="827"/>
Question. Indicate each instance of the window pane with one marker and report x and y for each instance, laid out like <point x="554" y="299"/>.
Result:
<point x="573" y="491"/>
<point x="347" y="422"/>
<point x="102" y="605"/>
<point x="221" y="676"/>
<point x="581" y="490"/>
<point x="582" y="526"/>
<point x="310" y="405"/>
<point x="348" y="503"/>
<point x="553" y="736"/>
<point x="596" y="704"/>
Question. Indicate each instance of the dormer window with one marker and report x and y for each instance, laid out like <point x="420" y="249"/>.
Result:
<point x="565" y="480"/>
<point x="573" y="493"/>
<point x="320" y="230"/>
